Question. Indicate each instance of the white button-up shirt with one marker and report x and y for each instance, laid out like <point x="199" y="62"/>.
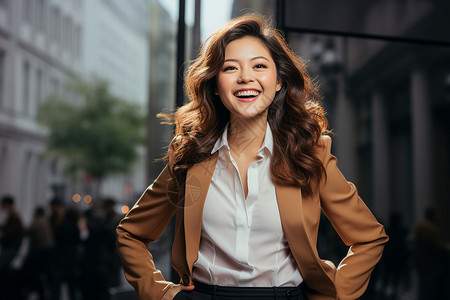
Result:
<point x="242" y="241"/>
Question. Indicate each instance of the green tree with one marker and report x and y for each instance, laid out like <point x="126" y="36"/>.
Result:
<point x="100" y="136"/>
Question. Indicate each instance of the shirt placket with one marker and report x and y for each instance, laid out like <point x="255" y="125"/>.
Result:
<point x="243" y="208"/>
<point x="242" y="229"/>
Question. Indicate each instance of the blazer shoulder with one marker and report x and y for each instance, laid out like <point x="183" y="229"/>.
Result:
<point x="325" y="139"/>
<point x="324" y="146"/>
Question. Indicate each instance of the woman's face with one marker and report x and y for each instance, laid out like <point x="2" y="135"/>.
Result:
<point x="247" y="82"/>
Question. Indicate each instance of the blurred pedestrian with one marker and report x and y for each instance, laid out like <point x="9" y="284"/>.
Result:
<point x="396" y="257"/>
<point x="56" y="217"/>
<point x="111" y="220"/>
<point x="11" y="234"/>
<point x="56" y="213"/>
<point x="94" y="257"/>
<point x="37" y="265"/>
<point x="111" y="217"/>
<point x="67" y="254"/>
<point x="430" y="257"/>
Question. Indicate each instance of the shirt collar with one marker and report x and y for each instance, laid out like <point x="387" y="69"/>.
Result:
<point x="223" y="141"/>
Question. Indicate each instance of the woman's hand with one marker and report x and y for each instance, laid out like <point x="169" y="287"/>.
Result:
<point x="175" y="289"/>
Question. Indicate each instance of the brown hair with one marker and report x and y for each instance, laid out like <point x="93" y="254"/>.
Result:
<point x="295" y="116"/>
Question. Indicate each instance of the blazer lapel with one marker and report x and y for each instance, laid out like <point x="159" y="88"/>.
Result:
<point x="198" y="179"/>
<point x="292" y="213"/>
<point x="292" y="219"/>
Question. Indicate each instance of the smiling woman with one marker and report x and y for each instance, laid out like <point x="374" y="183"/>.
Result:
<point x="248" y="80"/>
<point x="249" y="172"/>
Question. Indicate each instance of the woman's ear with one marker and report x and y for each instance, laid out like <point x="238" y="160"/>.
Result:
<point x="279" y="85"/>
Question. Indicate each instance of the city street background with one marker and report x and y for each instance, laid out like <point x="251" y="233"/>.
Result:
<point x="81" y="83"/>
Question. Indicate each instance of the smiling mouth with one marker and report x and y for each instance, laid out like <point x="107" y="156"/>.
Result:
<point x="247" y="94"/>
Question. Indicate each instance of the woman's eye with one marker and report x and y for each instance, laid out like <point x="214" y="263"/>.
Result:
<point x="260" y="66"/>
<point x="229" y="68"/>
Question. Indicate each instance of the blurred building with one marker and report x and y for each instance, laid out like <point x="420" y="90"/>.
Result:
<point x="164" y="74"/>
<point x="162" y="85"/>
<point x="116" y="45"/>
<point x="386" y="97"/>
<point x="264" y="7"/>
<point x="401" y="100"/>
<point x="383" y="68"/>
<point x="116" y="48"/>
<point x="42" y="44"/>
<point x="40" y="47"/>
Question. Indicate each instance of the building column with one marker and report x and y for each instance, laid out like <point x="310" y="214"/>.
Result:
<point x="421" y="135"/>
<point x="13" y="180"/>
<point x="380" y="156"/>
<point x="26" y="193"/>
<point x="5" y="167"/>
<point x="345" y="139"/>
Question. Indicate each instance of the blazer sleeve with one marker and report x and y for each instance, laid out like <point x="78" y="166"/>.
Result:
<point x="142" y="225"/>
<point x="356" y="226"/>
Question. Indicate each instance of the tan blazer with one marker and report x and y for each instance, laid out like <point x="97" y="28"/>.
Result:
<point x="300" y="218"/>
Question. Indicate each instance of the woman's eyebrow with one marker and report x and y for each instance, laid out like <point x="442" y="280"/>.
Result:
<point x="258" y="57"/>
<point x="236" y="60"/>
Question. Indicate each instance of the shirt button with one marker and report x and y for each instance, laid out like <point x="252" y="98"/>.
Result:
<point x="185" y="280"/>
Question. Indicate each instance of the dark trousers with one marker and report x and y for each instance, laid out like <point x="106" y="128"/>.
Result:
<point x="212" y="292"/>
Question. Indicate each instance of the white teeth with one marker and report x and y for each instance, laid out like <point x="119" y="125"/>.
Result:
<point x="246" y="93"/>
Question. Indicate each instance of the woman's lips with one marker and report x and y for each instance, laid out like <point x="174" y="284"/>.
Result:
<point x="247" y="96"/>
<point x="247" y="100"/>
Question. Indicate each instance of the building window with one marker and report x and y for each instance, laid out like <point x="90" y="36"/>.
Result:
<point x="77" y="41"/>
<point x="56" y="25"/>
<point x="66" y="33"/>
<point x="62" y="31"/>
<point x="52" y="27"/>
<point x="54" y="86"/>
<point x="26" y="11"/>
<point x="26" y="87"/>
<point x="2" y="77"/>
<point x="40" y="15"/>
<point x="71" y="36"/>
<point x="3" y="4"/>
<point x="38" y="88"/>
<point x="5" y="163"/>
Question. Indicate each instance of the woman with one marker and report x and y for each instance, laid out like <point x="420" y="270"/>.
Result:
<point x="249" y="172"/>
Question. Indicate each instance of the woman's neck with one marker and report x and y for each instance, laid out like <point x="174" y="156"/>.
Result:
<point x="245" y="136"/>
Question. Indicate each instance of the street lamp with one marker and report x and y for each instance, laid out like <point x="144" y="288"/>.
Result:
<point x="330" y="63"/>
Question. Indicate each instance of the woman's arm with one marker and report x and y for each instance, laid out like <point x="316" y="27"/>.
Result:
<point x="142" y="225"/>
<point x="356" y="226"/>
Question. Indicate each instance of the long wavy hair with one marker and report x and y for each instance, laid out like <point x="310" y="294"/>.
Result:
<point x="295" y="116"/>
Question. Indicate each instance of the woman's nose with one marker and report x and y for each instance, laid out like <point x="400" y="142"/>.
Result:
<point x="245" y="76"/>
